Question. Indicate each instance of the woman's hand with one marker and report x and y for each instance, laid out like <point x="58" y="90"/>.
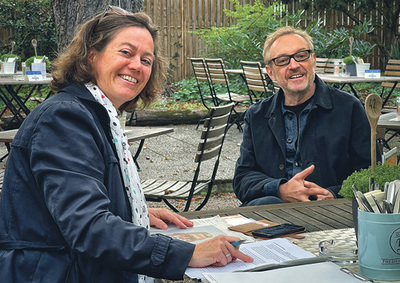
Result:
<point x="217" y="251"/>
<point x="158" y="217"/>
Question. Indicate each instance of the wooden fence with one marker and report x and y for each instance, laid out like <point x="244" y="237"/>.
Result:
<point x="177" y="18"/>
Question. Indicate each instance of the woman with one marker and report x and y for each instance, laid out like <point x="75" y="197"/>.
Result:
<point x="72" y="208"/>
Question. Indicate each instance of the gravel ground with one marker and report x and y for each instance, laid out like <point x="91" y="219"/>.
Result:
<point x="216" y="201"/>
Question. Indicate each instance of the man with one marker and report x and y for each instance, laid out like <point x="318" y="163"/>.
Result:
<point x="301" y="143"/>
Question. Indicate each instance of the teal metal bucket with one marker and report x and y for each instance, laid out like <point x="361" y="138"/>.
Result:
<point x="379" y="245"/>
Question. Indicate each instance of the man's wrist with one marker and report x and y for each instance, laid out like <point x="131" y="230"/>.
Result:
<point x="272" y="188"/>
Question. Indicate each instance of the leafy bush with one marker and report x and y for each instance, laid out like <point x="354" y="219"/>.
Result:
<point x="187" y="90"/>
<point x="335" y="44"/>
<point x="245" y="40"/>
<point x="29" y="20"/>
<point x="382" y="174"/>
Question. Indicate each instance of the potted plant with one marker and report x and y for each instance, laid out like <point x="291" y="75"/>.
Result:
<point x="358" y="51"/>
<point x="10" y="67"/>
<point x="382" y="174"/>
<point x="42" y="67"/>
<point x="30" y="60"/>
<point x="350" y="65"/>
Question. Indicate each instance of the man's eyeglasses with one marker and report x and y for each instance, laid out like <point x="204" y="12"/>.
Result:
<point x="285" y="59"/>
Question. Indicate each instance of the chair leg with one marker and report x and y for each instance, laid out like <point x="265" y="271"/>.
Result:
<point x="170" y="205"/>
<point x="201" y="121"/>
<point x="238" y="121"/>
<point x="132" y="118"/>
<point x="206" y="198"/>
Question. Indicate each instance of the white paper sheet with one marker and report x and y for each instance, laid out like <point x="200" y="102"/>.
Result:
<point x="326" y="272"/>
<point x="263" y="252"/>
<point x="203" y="229"/>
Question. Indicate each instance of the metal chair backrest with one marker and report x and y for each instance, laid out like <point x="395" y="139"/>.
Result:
<point x="255" y="78"/>
<point x="218" y="75"/>
<point x="212" y="139"/>
<point x="209" y="149"/>
<point x="201" y="75"/>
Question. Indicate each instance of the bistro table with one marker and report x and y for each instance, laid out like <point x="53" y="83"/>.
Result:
<point x="350" y="80"/>
<point x="343" y="81"/>
<point x="387" y="122"/>
<point x="9" y="89"/>
<point x="323" y="220"/>
<point x="133" y="134"/>
<point x="314" y="215"/>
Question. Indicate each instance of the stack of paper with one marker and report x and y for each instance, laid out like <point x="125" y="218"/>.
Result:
<point x="265" y="252"/>
<point x="326" y="272"/>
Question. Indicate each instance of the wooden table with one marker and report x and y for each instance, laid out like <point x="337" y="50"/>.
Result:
<point x="327" y="219"/>
<point x="342" y="81"/>
<point x="132" y="133"/>
<point x="324" y="220"/>
<point x="9" y="89"/>
<point x="385" y="124"/>
<point x="385" y="121"/>
<point x="314" y="215"/>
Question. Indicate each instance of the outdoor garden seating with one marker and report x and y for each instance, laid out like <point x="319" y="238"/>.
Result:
<point x="219" y="77"/>
<point x="392" y="69"/>
<point x="256" y="81"/>
<point x="321" y="64"/>
<point x="208" y="154"/>
<point x="201" y="75"/>
<point x="326" y="65"/>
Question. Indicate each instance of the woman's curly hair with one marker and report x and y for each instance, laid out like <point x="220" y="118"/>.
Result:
<point x="72" y="66"/>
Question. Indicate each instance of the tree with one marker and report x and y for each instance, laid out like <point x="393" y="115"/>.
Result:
<point x="386" y="10"/>
<point x="69" y="15"/>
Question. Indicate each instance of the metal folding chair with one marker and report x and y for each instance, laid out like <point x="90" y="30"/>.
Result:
<point x="218" y="76"/>
<point x="201" y="75"/>
<point x="256" y="80"/>
<point x="208" y="152"/>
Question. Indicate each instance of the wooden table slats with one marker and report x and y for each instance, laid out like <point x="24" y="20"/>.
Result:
<point x="314" y="215"/>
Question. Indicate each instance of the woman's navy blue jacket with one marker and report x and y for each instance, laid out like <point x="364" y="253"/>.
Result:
<point x="64" y="214"/>
<point x="336" y="139"/>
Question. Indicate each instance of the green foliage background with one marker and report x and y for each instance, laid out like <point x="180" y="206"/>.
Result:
<point x="245" y="40"/>
<point x="29" y="20"/>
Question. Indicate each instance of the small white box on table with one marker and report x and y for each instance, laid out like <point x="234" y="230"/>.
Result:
<point x="373" y="73"/>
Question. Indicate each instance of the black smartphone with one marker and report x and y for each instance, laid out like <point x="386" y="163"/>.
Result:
<point x="278" y="230"/>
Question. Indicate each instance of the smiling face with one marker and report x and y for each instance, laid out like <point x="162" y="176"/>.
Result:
<point x="123" y="68"/>
<point x="297" y="78"/>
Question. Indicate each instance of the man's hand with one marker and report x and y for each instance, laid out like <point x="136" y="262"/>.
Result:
<point x="326" y="194"/>
<point x="298" y="189"/>
<point x="158" y="217"/>
<point x="217" y="251"/>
